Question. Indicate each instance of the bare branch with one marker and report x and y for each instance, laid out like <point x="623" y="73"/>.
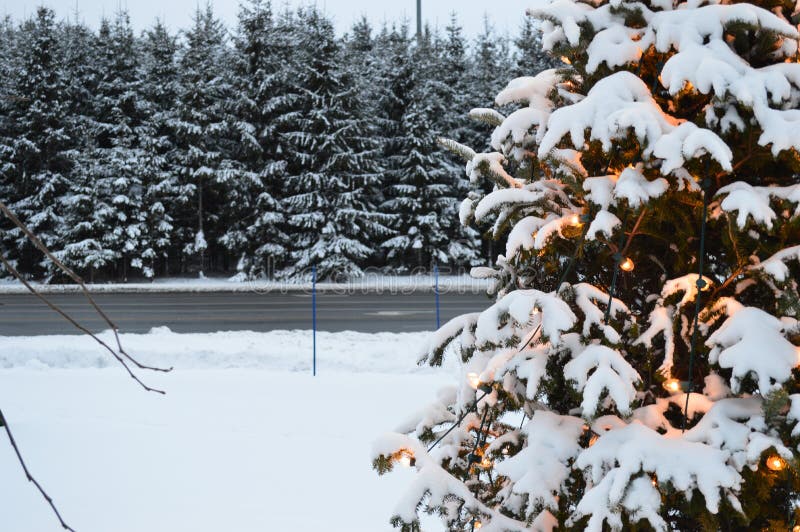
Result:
<point x="4" y="424"/>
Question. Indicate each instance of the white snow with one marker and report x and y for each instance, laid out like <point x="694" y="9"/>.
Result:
<point x="263" y="448"/>
<point x="776" y="264"/>
<point x="636" y="448"/>
<point x="541" y="468"/>
<point x="749" y="331"/>
<point x="275" y="350"/>
<point x="622" y="103"/>
<point x="597" y="369"/>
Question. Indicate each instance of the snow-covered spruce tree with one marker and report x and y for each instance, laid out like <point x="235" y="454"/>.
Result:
<point x="201" y="127"/>
<point x="530" y="58"/>
<point x="37" y="149"/>
<point x="118" y="159"/>
<point x="263" y="50"/>
<point x="86" y="217"/>
<point x="490" y="68"/>
<point x="331" y="166"/>
<point x="421" y="185"/>
<point x="159" y="91"/>
<point x="639" y="369"/>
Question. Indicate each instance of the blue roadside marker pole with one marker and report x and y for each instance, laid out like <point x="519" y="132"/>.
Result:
<point x="436" y="291"/>
<point x="314" y="319"/>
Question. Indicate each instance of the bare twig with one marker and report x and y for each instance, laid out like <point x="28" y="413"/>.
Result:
<point x="634" y="230"/>
<point x="4" y="424"/>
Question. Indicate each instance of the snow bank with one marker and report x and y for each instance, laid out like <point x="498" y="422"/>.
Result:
<point x="275" y="350"/>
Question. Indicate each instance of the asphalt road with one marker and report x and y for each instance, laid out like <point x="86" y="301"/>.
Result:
<point x="24" y="315"/>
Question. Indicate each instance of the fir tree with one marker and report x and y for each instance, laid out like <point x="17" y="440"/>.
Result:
<point x="529" y="57"/>
<point x="454" y="84"/>
<point x="159" y="91"/>
<point x="38" y="148"/>
<point x="263" y="52"/>
<point x="118" y="159"/>
<point x="422" y="186"/>
<point x="86" y="216"/>
<point x="332" y="175"/>
<point x="202" y="127"/>
<point x="639" y="368"/>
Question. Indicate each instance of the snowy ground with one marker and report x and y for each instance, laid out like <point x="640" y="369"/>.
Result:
<point x="369" y="283"/>
<point x="245" y="440"/>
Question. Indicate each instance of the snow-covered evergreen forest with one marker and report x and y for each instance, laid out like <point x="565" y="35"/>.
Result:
<point x="256" y="151"/>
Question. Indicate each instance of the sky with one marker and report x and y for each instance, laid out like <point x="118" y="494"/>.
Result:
<point x="505" y="14"/>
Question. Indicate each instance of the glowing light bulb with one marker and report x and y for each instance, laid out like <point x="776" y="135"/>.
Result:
<point x="565" y="59"/>
<point x="627" y="265"/>
<point x="672" y="385"/>
<point x="575" y="220"/>
<point x="654" y="481"/>
<point x="486" y="463"/>
<point x="406" y="458"/>
<point x="776" y="463"/>
<point x="476" y="524"/>
<point x="473" y="379"/>
<point x="593" y="439"/>
<point x="796" y="528"/>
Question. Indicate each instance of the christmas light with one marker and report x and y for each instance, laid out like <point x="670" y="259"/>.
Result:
<point x="407" y="458"/>
<point x="565" y="59"/>
<point x="575" y="220"/>
<point x="672" y="385"/>
<point x="627" y="265"/>
<point x="473" y="379"/>
<point x="486" y="463"/>
<point x="476" y="524"/>
<point x="796" y="528"/>
<point x="776" y="463"/>
<point x="593" y="439"/>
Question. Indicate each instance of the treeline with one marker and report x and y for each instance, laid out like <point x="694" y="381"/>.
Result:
<point x="261" y="151"/>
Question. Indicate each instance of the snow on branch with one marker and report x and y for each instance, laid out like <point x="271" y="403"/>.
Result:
<point x="539" y="197"/>
<point x="465" y="152"/>
<point x="491" y="165"/>
<point x="460" y="329"/>
<point x="752" y="341"/>
<point x="435" y="487"/>
<point x="636" y="189"/>
<point x="754" y="202"/>
<point x="737" y="425"/>
<point x="620" y="456"/>
<point x="663" y="316"/>
<point x="541" y="469"/>
<point x="518" y="310"/>
<point x="535" y="92"/>
<point x="599" y="369"/>
<point x="587" y="298"/>
<point x="775" y="266"/>
<point x="487" y="116"/>
<point x="622" y="103"/>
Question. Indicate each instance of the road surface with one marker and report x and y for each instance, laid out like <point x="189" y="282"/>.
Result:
<point x="23" y="315"/>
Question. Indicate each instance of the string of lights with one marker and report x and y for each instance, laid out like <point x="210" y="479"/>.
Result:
<point x="701" y="284"/>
